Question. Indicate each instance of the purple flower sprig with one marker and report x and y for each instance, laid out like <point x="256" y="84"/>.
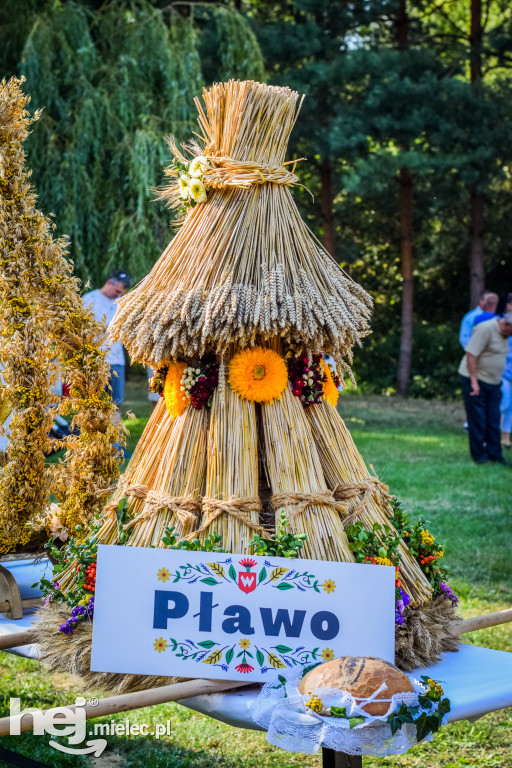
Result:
<point x="401" y="603"/>
<point x="448" y="592"/>
<point x="78" y="614"/>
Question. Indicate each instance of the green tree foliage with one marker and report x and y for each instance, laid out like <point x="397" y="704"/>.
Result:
<point x="371" y="110"/>
<point x="114" y="80"/>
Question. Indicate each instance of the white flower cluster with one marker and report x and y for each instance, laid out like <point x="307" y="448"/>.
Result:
<point x="308" y="378"/>
<point x="189" y="378"/>
<point x="190" y="184"/>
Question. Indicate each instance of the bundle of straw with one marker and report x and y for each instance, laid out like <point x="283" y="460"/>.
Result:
<point x="231" y="506"/>
<point x="168" y="462"/>
<point x="244" y="267"/>
<point x="342" y="463"/>
<point x="295" y="472"/>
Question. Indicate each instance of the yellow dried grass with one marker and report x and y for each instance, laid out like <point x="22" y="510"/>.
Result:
<point x="342" y="463"/>
<point x="244" y="267"/>
<point x="170" y="458"/>
<point x="293" y="465"/>
<point x="232" y="466"/>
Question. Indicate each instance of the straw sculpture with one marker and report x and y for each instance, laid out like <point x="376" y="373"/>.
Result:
<point x="235" y="317"/>
<point x="265" y="274"/>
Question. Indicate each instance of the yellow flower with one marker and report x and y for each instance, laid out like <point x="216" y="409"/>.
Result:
<point x="427" y="538"/>
<point x="85" y="600"/>
<point x="383" y="561"/>
<point x="160" y="644"/>
<point x="183" y="183"/>
<point x="244" y="643"/>
<point x="315" y="703"/>
<point x="257" y="374"/>
<point x="175" y="401"/>
<point x="198" y="166"/>
<point x="329" y="586"/>
<point x="327" y="654"/>
<point x="435" y="691"/>
<point x="197" y="190"/>
<point x="331" y="393"/>
<point x="163" y="575"/>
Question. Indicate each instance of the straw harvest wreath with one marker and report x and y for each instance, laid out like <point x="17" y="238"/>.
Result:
<point x="237" y="318"/>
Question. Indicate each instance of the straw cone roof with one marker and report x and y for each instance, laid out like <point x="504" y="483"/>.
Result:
<point x="244" y="268"/>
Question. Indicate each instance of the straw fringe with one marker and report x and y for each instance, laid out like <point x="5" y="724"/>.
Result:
<point x="428" y="631"/>
<point x="71" y="654"/>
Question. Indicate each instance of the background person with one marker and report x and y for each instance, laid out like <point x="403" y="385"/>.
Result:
<point x="506" y="401"/>
<point x="481" y="371"/>
<point x="506" y="389"/>
<point x="487" y="302"/>
<point x="102" y="301"/>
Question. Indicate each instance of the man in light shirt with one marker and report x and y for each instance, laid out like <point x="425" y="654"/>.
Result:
<point x="487" y="302"/>
<point x="102" y="301"/>
<point x="481" y="371"/>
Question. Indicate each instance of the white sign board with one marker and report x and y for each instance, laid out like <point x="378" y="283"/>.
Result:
<point x="215" y="615"/>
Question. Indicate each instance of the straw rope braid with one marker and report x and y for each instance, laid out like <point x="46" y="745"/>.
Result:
<point x="239" y="509"/>
<point x="366" y="488"/>
<point x="227" y="172"/>
<point x="186" y="508"/>
<point x="300" y="501"/>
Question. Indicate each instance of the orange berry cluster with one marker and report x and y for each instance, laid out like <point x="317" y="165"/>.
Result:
<point x="425" y="560"/>
<point x="90" y="577"/>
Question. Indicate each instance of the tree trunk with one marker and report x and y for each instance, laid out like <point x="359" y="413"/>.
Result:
<point x="476" y="223"/>
<point x="326" y="207"/>
<point x="476" y="252"/>
<point x="405" y="217"/>
<point x="405" y="224"/>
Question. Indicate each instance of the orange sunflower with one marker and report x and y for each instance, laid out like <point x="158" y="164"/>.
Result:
<point x="257" y="374"/>
<point x="331" y="394"/>
<point x="174" y="397"/>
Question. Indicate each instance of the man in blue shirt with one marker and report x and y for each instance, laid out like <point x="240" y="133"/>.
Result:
<point x="487" y="302"/>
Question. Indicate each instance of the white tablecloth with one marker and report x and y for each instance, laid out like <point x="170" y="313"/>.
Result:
<point x="476" y="680"/>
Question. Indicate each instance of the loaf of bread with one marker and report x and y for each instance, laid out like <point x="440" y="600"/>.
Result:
<point x="360" y="676"/>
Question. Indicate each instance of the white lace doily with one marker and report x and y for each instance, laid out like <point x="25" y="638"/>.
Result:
<point x="281" y="710"/>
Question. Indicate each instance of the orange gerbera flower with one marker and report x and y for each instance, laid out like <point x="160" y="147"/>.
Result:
<point x="331" y="393"/>
<point x="257" y="374"/>
<point x="174" y="397"/>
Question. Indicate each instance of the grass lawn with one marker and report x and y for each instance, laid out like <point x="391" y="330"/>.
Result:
<point x="420" y="449"/>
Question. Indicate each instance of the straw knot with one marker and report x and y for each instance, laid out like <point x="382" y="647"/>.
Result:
<point x="240" y="509"/>
<point x="186" y="508"/>
<point x="365" y="489"/>
<point x="300" y="501"/>
<point x="227" y="172"/>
